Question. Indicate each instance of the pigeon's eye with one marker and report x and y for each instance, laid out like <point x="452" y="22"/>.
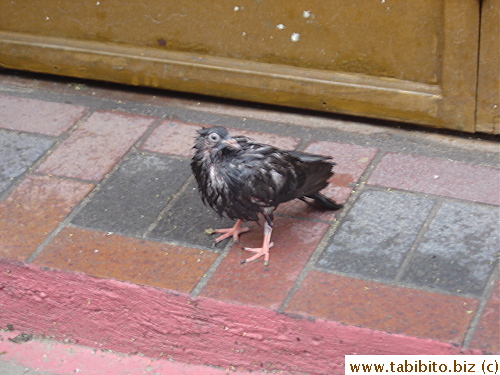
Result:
<point x="214" y="137"/>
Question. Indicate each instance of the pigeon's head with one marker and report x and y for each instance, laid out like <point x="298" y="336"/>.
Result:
<point x="216" y="139"/>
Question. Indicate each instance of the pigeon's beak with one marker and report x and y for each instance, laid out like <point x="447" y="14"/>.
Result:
<point x="232" y="143"/>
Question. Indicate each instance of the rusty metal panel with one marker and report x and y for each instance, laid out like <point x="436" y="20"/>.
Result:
<point x="409" y="61"/>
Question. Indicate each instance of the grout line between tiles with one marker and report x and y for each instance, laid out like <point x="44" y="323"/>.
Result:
<point x="203" y="281"/>
<point x="405" y="285"/>
<point x="431" y="195"/>
<point x="474" y="323"/>
<point x="63" y="224"/>
<point x="304" y="142"/>
<point x="75" y="179"/>
<point x="154" y="239"/>
<point x="137" y="145"/>
<point x="67" y="220"/>
<point x="425" y="226"/>
<point x="314" y="220"/>
<point x="174" y="198"/>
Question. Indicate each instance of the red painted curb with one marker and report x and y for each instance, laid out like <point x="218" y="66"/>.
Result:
<point x="58" y="358"/>
<point x="128" y="318"/>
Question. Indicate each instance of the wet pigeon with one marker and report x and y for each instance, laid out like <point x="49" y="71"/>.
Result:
<point x="240" y="178"/>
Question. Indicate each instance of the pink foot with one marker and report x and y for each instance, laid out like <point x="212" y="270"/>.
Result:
<point x="234" y="231"/>
<point x="264" y="250"/>
<point x="259" y="251"/>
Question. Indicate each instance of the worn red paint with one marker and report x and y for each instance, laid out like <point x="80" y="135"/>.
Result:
<point x="59" y="358"/>
<point x="128" y="318"/>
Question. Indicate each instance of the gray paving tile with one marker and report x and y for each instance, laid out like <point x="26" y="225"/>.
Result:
<point x="18" y="151"/>
<point x="133" y="197"/>
<point x="375" y="236"/>
<point x="187" y="220"/>
<point x="459" y="250"/>
<point x="10" y="368"/>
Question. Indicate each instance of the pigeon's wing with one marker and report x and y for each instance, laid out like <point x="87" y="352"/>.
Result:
<point x="272" y="176"/>
<point x="267" y="175"/>
<point x="318" y="169"/>
<point x="309" y="158"/>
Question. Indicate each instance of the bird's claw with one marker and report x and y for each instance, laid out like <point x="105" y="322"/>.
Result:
<point x="266" y="263"/>
<point x="259" y="251"/>
<point x="215" y="242"/>
<point x="234" y="232"/>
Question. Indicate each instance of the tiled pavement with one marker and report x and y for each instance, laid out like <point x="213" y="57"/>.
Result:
<point x="97" y="181"/>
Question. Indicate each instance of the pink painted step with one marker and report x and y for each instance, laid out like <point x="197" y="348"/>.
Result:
<point x="124" y="317"/>
<point x="57" y="358"/>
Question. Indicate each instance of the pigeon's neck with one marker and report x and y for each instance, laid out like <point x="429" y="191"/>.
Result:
<point x="215" y="172"/>
<point x="217" y="157"/>
<point x="210" y="161"/>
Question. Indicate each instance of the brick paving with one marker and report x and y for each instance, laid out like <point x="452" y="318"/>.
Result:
<point x="295" y="241"/>
<point x="38" y="116"/>
<point x="107" y="192"/>
<point x="438" y="176"/>
<point x="95" y="146"/>
<point x="487" y="335"/>
<point x="141" y="261"/>
<point x="34" y="209"/>
<point x="19" y="152"/>
<point x="391" y="308"/>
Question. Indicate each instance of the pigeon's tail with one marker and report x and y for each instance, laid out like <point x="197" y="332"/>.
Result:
<point x="325" y="202"/>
